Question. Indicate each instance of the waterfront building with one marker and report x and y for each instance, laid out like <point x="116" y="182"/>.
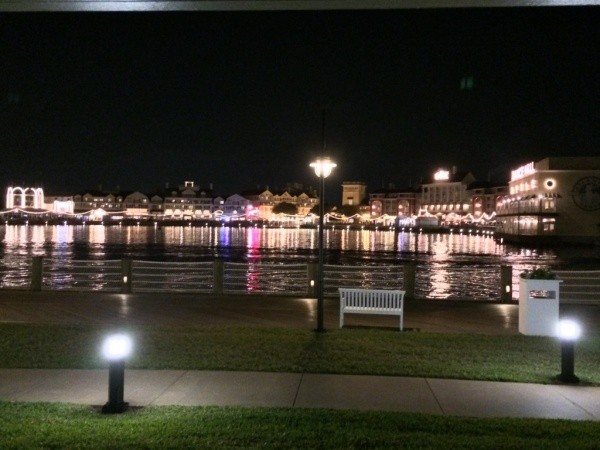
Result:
<point x="61" y="205"/>
<point x="156" y="206"/>
<point x="445" y="194"/>
<point x="260" y="202"/>
<point x="552" y="200"/>
<point x="88" y="201"/>
<point x="449" y="197"/>
<point x="353" y="193"/>
<point x="188" y="201"/>
<point x="24" y="198"/>
<point x="393" y="202"/>
<point x="98" y="205"/>
<point x="235" y="206"/>
<point x="484" y="200"/>
<point x="136" y="205"/>
<point x="263" y="201"/>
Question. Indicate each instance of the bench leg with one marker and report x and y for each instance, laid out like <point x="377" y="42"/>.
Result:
<point x="401" y="322"/>
<point x="341" y="319"/>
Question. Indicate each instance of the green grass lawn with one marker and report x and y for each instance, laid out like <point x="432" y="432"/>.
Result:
<point x="39" y="425"/>
<point x="347" y="351"/>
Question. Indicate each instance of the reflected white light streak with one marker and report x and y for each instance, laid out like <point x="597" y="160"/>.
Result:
<point x="509" y="315"/>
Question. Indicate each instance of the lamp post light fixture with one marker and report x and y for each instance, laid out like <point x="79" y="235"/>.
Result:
<point x="323" y="167"/>
<point x="116" y="348"/>
<point x="568" y="331"/>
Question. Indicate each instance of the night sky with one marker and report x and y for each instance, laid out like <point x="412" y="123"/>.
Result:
<point x="236" y="99"/>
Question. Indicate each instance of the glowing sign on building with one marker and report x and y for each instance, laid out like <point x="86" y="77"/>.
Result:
<point x="441" y="175"/>
<point x="522" y="171"/>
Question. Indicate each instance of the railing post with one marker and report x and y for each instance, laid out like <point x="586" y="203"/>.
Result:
<point x="126" y="277"/>
<point x="218" y="276"/>
<point x="37" y="272"/>
<point x="410" y="271"/>
<point x="505" y="284"/>
<point x="311" y="268"/>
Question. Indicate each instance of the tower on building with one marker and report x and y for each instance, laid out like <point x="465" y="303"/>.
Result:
<point x="353" y="192"/>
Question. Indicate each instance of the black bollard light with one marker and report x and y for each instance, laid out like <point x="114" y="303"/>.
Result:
<point x="568" y="331"/>
<point x="116" y="348"/>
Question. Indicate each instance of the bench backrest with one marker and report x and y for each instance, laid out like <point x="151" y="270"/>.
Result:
<point x="371" y="298"/>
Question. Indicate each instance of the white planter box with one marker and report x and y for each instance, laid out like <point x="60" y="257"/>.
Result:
<point x="538" y="306"/>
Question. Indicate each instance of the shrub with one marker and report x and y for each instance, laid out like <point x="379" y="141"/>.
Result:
<point x="539" y="273"/>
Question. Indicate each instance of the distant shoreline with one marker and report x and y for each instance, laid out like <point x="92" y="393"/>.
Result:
<point x="147" y="222"/>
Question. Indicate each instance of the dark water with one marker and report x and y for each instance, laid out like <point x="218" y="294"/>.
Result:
<point x="435" y="254"/>
<point x="277" y="245"/>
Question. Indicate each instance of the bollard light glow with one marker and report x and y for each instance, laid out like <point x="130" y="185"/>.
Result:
<point x="117" y="346"/>
<point x="568" y="330"/>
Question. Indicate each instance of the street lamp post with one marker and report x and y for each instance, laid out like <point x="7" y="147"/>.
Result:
<point x="323" y="167"/>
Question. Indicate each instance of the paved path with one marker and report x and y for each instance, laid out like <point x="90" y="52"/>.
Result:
<point x="173" y="309"/>
<point x="167" y="387"/>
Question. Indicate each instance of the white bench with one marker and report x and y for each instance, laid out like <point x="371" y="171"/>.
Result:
<point x="372" y="301"/>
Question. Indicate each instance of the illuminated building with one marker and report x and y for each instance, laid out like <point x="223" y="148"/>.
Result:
<point x="18" y="197"/>
<point x="188" y="201"/>
<point x="446" y="194"/>
<point x="484" y="199"/>
<point x="98" y="199"/>
<point x="393" y="202"/>
<point x="264" y="200"/>
<point x="554" y="200"/>
<point x="451" y="197"/>
<point x="353" y="192"/>
<point x="61" y="205"/>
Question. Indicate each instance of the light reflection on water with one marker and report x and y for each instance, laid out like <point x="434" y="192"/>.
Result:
<point x="273" y="244"/>
<point x="437" y="255"/>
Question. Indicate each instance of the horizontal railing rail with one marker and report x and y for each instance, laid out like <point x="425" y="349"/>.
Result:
<point x="459" y="283"/>
<point x="368" y="277"/>
<point x="150" y="276"/>
<point x="280" y="279"/>
<point x="17" y="275"/>
<point x="579" y="286"/>
<point x="88" y="275"/>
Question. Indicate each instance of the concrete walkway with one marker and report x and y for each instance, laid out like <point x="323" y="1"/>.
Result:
<point x="175" y="309"/>
<point x="295" y="390"/>
<point x="181" y="387"/>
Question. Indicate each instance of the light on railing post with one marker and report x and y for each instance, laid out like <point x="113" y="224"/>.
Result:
<point x="116" y="349"/>
<point x="126" y="272"/>
<point x="568" y="331"/>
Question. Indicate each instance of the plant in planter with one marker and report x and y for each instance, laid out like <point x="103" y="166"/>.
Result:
<point x="539" y="273"/>
<point x="538" y="302"/>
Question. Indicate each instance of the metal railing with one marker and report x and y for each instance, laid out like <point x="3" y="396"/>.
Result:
<point x="579" y="286"/>
<point x="368" y="277"/>
<point x="95" y="275"/>
<point x="460" y="283"/>
<point x="280" y="279"/>
<point x="151" y="276"/>
<point x="490" y="283"/>
<point x="16" y="275"/>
